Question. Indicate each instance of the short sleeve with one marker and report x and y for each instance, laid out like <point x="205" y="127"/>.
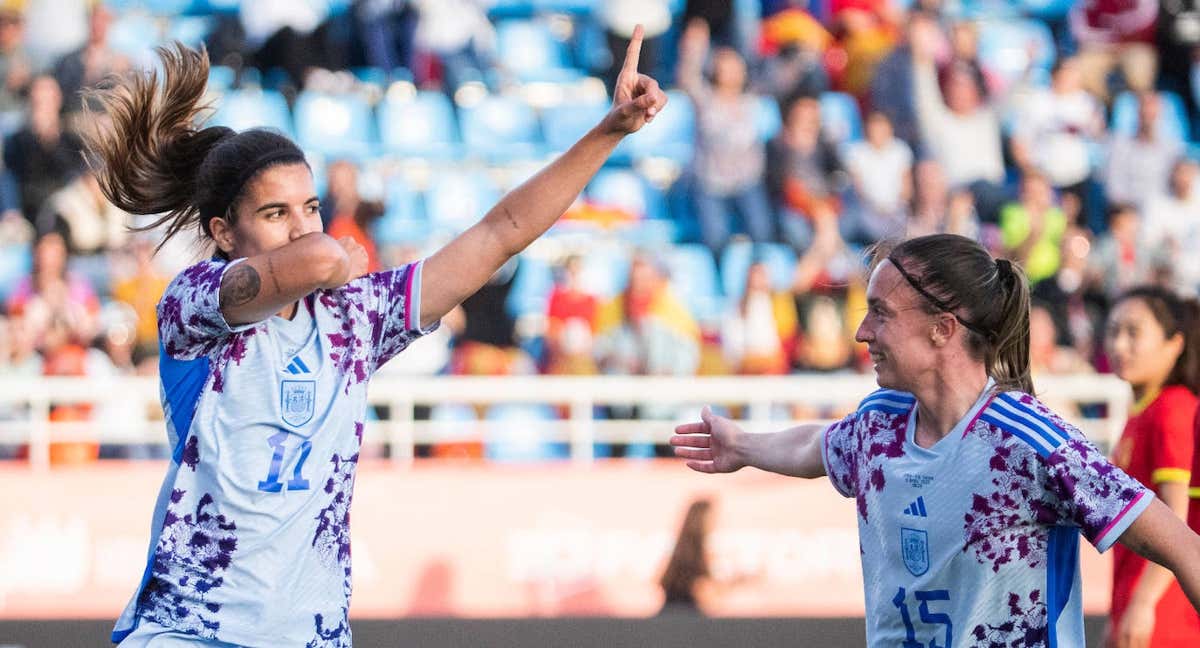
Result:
<point x="1093" y="494"/>
<point x="839" y="456"/>
<point x="190" y="322"/>
<point x="1173" y="441"/>
<point x="394" y="311"/>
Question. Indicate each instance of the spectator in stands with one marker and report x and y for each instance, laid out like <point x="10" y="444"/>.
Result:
<point x="865" y="38"/>
<point x="805" y="175"/>
<point x="388" y="29"/>
<point x="1055" y="128"/>
<point x="881" y="172"/>
<point x="759" y="336"/>
<point x="1049" y="351"/>
<point x="283" y="34"/>
<point x="16" y="70"/>
<point x="1073" y="298"/>
<point x="1138" y="164"/>
<point x="935" y="210"/>
<point x="43" y="156"/>
<point x="1120" y="259"/>
<point x="89" y="223"/>
<point x="54" y="28"/>
<point x="91" y="63"/>
<point x="893" y="88"/>
<point x="964" y="52"/>
<point x="796" y="43"/>
<point x="357" y="225"/>
<point x="488" y="344"/>
<point x="141" y="291"/>
<point x="720" y="21"/>
<point x="458" y="35"/>
<point x="730" y="157"/>
<point x="1178" y="46"/>
<point x="65" y="353"/>
<point x="1115" y="34"/>
<point x="962" y="132"/>
<point x="1032" y="229"/>
<point x="646" y="330"/>
<point x="619" y="17"/>
<point x="51" y="293"/>
<point x="1172" y="225"/>
<point x="571" y="319"/>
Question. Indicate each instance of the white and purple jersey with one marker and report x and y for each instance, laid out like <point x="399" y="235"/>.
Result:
<point x="250" y="540"/>
<point x="974" y="542"/>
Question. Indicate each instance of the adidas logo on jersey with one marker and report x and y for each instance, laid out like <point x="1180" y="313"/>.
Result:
<point x="917" y="508"/>
<point x="297" y="366"/>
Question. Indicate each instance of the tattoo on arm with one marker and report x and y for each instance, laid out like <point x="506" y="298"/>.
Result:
<point x="511" y="220"/>
<point x="271" y="271"/>
<point x="240" y="285"/>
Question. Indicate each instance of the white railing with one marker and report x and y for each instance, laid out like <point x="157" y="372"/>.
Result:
<point x="127" y="409"/>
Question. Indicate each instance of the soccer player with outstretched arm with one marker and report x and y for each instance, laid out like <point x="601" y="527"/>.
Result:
<point x="971" y="494"/>
<point x="267" y="349"/>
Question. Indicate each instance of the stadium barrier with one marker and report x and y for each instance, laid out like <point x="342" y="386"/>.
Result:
<point x="126" y="410"/>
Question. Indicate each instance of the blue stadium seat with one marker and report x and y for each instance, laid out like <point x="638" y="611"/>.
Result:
<point x="1172" y="121"/>
<point x="402" y="220"/>
<point x="627" y="190"/>
<point x="254" y="108"/>
<point x="221" y="78"/>
<point x="521" y="432"/>
<point x="530" y="293"/>
<point x="502" y="9"/>
<point x="737" y="257"/>
<point x="840" y="118"/>
<point x="500" y="128"/>
<point x="422" y="126"/>
<point x="457" y="199"/>
<point x="16" y="261"/>
<point x="334" y="124"/>
<point x="671" y="135"/>
<point x="1045" y="9"/>
<point x="767" y="117"/>
<point x="564" y="124"/>
<point x="190" y="30"/>
<point x="577" y="7"/>
<point x="694" y="279"/>
<point x="1004" y="47"/>
<point x="532" y="53"/>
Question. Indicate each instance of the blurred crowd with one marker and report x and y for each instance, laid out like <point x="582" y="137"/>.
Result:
<point x="729" y="239"/>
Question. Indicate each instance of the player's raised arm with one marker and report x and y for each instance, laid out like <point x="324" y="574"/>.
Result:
<point x="458" y="270"/>
<point x="717" y="445"/>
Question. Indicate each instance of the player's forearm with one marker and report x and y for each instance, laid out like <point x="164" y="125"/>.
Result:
<point x="795" y="452"/>
<point x="264" y="284"/>
<point x="530" y="209"/>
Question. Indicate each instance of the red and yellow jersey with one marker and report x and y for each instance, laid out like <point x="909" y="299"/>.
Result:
<point x="1158" y="446"/>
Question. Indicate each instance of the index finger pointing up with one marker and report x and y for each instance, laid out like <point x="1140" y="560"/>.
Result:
<point x="632" y="53"/>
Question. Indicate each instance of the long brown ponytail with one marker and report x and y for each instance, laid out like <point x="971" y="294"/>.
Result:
<point x="146" y="147"/>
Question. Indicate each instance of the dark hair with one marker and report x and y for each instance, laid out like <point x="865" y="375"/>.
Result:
<point x="688" y="561"/>
<point x="989" y="297"/>
<point x="150" y="156"/>
<point x="1176" y="315"/>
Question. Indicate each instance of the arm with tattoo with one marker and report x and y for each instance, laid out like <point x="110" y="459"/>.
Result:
<point x="262" y="285"/>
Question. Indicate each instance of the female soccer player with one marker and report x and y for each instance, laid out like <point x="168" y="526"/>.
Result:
<point x="1154" y="344"/>
<point x="971" y="494"/>
<point x="267" y="350"/>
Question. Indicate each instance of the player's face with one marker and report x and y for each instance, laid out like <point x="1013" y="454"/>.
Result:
<point x="279" y="205"/>
<point x="894" y="328"/>
<point x="1140" y="351"/>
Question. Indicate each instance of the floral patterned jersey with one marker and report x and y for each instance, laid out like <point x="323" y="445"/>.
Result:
<point x="974" y="541"/>
<point x="250" y="538"/>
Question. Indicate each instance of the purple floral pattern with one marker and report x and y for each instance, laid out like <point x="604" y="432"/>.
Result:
<point x="1023" y="627"/>
<point x="332" y="542"/>
<point x="192" y="553"/>
<point x="996" y="526"/>
<point x="857" y="447"/>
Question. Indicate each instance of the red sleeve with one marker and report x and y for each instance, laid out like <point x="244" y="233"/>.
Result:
<point x="1173" y="437"/>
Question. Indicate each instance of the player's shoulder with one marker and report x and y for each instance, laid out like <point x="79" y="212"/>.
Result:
<point x="888" y="401"/>
<point x="1028" y="419"/>
<point x="202" y="274"/>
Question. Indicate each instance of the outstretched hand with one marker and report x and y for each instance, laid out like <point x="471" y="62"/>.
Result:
<point x="636" y="97"/>
<point x="708" y="446"/>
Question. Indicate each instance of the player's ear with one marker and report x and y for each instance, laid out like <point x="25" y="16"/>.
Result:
<point x="942" y="329"/>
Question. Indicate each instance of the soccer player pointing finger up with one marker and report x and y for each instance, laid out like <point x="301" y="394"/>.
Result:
<point x="267" y="349"/>
<point x="971" y="494"/>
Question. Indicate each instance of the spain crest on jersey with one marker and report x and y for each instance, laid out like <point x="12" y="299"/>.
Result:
<point x="914" y="548"/>
<point x="297" y="400"/>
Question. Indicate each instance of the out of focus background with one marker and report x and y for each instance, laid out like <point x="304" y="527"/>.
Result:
<point x="514" y="464"/>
